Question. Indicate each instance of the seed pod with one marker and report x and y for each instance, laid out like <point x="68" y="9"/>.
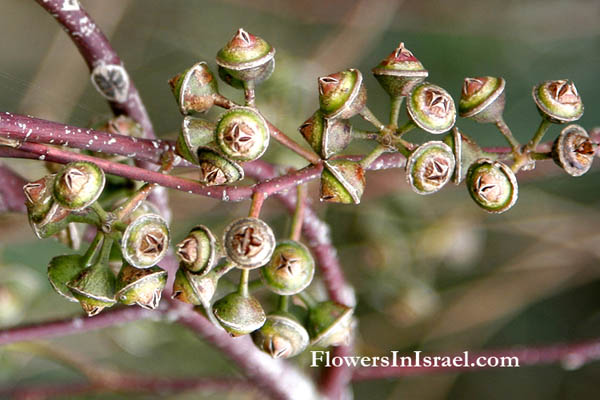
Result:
<point x="342" y="95"/>
<point x="327" y="137"/>
<point x="492" y="185"/>
<point x="198" y="251"/>
<point x="482" y="99"/>
<point x="573" y="150"/>
<point x="140" y="286"/>
<point x="195" y="132"/>
<point x="216" y="169"/>
<point x="38" y="198"/>
<point x="290" y="270"/>
<point x="400" y="72"/>
<point x="430" y="167"/>
<point x="242" y="134"/>
<point x="249" y="242"/>
<point x="194" y="289"/>
<point x="145" y="241"/>
<point x="121" y="125"/>
<point x="330" y="324"/>
<point x="245" y="58"/>
<point x="94" y="288"/>
<point x="431" y="108"/>
<point x="466" y="152"/>
<point x="342" y="181"/>
<point x="558" y="101"/>
<point x="78" y="184"/>
<point x="195" y="89"/>
<point x="239" y="314"/>
<point x="63" y="269"/>
<point x="282" y="336"/>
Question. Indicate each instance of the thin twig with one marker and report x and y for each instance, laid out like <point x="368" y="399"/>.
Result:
<point x="12" y="197"/>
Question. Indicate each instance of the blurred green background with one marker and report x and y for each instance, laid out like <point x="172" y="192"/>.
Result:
<point x="434" y="273"/>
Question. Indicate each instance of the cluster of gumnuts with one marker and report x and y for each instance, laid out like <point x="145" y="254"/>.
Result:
<point x="242" y="134"/>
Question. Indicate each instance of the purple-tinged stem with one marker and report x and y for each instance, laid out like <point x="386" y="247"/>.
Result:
<point x="12" y="197"/>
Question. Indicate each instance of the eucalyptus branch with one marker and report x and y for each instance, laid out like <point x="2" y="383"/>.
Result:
<point x="12" y="197"/>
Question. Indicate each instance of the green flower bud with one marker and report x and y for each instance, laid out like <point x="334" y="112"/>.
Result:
<point x="342" y="181"/>
<point x="431" y="108"/>
<point x="558" y="101"/>
<point x="94" y="288"/>
<point x="216" y="169"/>
<point x="282" y="336"/>
<point x="245" y="58"/>
<point x="399" y="72"/>
<point x="195" y="132"/>
<point x="330" y="324"/>
<point x="145" y="241"/>
<point x="573" y="150"/>
<point x="140" y="286"/>
<point x="62" y="270"/>
<point x="239" y="314"/>
<point x="482" y="99"/>
<point x="327" y="137"/>
<point x="429" y="167"/>
<point x="290" y="270"/>
<point x="249" y="242"/>
<point x="195" y="89"/>
<point x="242" y="134"/>
<point x="492" y="185"/>
<point x="78" y="184"/>
<point x="466" y="152"/>
<point x="198" y="251"/>
<point x="342" y="95"/>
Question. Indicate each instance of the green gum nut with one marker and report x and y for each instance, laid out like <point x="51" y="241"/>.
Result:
<point x="94" y="288"/>
<point x="342" y="95"/>
<point x="217" y="169"/>
<point x="140" y="286"/>
<point x="245" y="58"/>
<point x="282" y="336"/>
<point x="492" y="185"/>
<point x="430" y="167"/>
<point x="242" y="134"/>
<point x="399" y="72"/>
<point x="330" y="324"/>
<point x="195" y="89"/>
<point x="466" y="152"/>
<point x="193" y="288"/>
<point x="145" y="241"/>
<point x="573" y="150"/>
<point x="558" y="101"/>
<point x="249" y="242"/>
<point x="431" y="108"/>
<point x="239" y="314"/>
<point x="38" y="198"/>
<point x="198" y="251"/>
<point x="290" y="270"/>
<point x="482" y="99"/>
<point x="62" y="270"/>
<point x="78" y="184"/>
<point x="327" y="137"/>
<point x="195" y="132"/>
<point x="342" y="181"/>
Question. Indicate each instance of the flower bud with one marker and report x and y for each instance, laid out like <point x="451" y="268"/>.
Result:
<point x="145" y="241"/>
<point x="330" y="324"/>
<point x="482" y="99"/>
<point x="342" y="181"/>
<point x="431" y="108"/>
<point x="94" y="288"/>
<point x="242" y="134"/>
<point x="573" y="150"/>
<point x="245" y="58"/>
<point x="558" y="101"/>
<point x="216" y="169"/>
<point x="430" y="167"/>
<point x="399" y="72"/>
<point x="282" y="336"/>
<point x="249" y="242"/>
<point x="140" y="286"/>
<point x="466" y="152"/>
<point x="342" y="95"/>
<point x="327" y="137"/>
<point x="195" y="89"/>
<point x="78" y="184"/>
<point x="198" y="251"/>
<point x="290" y="270"/>
<point x="195" y="132"/>
<point x="62" y="270"/>
<point x="239" y="314"/>
<point x="492" y="185"/>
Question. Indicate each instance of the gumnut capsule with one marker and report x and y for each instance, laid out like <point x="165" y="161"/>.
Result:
<point x="198" y="251"/>
<point x="492" y="185"/>
<point x="327" y="137"/>
<point x="290" y="270"/>
<point x="342" y="95"/>
<point x="431" y="108"/>
<point x="573" y="150"/>
<point x="466" y="152"/>
<point x="399" y="72"/>
<point x="195" y="89"/>
<point x="242" y="134"/>
<point x="249" y="242"/>
<point x="558" y="101"/>
<point x="78" y="184"/>
<point x="145" y="241"/>
<point x="330" y="324"/>
<point x="193" y="288"/>
<point x="94" y="288"/>
<point x="342" y="181"/>
<point x="239" y="314"/>
<point x="429" y="167"/>
<point x="62" y="270"/>
<point x="482" y="99"/>
<point x="195" y="132"/>
<point x="216" y="169"/>
<point x="140" y="286"/>
<point x="281" y="336"/>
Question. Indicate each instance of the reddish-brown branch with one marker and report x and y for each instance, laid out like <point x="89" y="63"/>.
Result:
<point x="12" y="197"/>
